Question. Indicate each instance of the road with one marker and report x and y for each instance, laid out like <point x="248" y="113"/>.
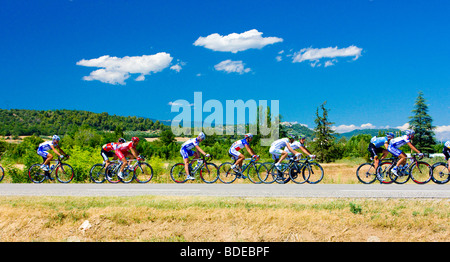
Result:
<point x="233" y="190"/>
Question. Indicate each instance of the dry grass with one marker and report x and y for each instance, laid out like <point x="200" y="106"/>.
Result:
<point x="212" y="219"/>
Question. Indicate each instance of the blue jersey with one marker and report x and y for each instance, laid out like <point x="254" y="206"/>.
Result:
<point x="191" y="143"/>
<point x="378" y="141"/>
<point x="45" y="146"/>
<point x="399" y="141"/>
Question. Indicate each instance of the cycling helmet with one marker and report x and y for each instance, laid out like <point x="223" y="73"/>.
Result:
<point x="292" y="136"/>
<point x="390" y="135"/>
<point x="249" y="135"/>
<point x="409" y="132"/>
<point x="201" y="136"/>
<point x="300" y="137"/>
<point x="135" y="139"/>
<point x="55" y="138"/>
<point x="122" y="140"/>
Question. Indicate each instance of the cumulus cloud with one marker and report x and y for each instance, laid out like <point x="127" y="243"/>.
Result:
<point x="442" y="133"/>
<point x="232" y="67"/>
<point x="349" y="128"/>
<point x="330" y="54"/>
<point x="236" y="42"/>
<point x="115" y="70"/>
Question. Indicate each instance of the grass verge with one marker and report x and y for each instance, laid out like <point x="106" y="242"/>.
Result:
<point x="200" y="219"/>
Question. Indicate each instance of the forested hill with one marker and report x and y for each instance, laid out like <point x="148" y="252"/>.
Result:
<point x="22" y="122"/>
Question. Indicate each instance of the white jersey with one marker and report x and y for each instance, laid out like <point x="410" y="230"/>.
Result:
<point x="447" y="144"/>
<point x="295" y="145"/>
<point x="45" y="146"/>
<point x="399" y="141"/>
<point x="280" y="143"/>
<point x="191" y="143"/>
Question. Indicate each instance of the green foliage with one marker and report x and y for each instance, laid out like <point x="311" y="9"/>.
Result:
<point x="421" y="122"/>
<point x="324" y="145"/>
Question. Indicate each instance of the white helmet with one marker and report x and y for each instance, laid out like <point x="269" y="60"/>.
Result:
<point x="201" y="136"/>
<point x="55" y="138"/>
<point x="409" y="132"/>
<point x="249" y="135"/>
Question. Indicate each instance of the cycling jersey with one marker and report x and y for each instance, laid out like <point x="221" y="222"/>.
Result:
<point x="447" y="144"/>
<point x="236" y="146"/>
<point x="295" y="145"/>
<point x="186" y="148"/>
<point x="44" y="147"/>
<point x="395" y="143"/>
<point x="123" y="149"/>
<point x="378" y="141"/>
<point x="110" y="146"/>
<point x="446" y="150"/>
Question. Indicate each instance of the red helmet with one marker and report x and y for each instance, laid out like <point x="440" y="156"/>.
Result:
<point x="135" y="139"/>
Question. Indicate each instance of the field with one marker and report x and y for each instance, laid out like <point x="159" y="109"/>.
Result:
<point x="212" y="219"/>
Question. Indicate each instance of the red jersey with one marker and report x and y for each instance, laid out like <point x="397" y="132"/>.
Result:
<point x="110" y="146"/>
<point x="124" y="147"/>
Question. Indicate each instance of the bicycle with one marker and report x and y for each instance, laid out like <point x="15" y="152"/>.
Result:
<point x="63" y="172"/>
<point x="2" y="173"/>
<point x="440" y="173"/>
<point x="97" y="172"/>
<point x="227" y="175"/>
<point x="140" y="171"/>
<point x="367" y="174"/>
<point x="311" y="172"/>
<point x="208" y="172"/>
<point x="416" y="170"/>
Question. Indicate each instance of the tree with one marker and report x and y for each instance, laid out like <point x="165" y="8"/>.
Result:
<point x="421" y="122"/>
<point x="167" y="137"/>
<point x="324" y="139"/>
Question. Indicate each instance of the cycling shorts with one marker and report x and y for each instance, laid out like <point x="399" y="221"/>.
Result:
<point x="43" y="154"/>
<point x="394" y="151"/>
<point x="234" y="153"/>
<point x="374" y="151"/>
<point x="186" y="153"/>
<point x="446" y="153"/>
<point x="106" y="154"/>
<point x="275" y="153"/>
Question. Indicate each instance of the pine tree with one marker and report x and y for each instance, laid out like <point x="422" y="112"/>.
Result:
<point x="324" y="139"/>
<point x="421" y="123"/>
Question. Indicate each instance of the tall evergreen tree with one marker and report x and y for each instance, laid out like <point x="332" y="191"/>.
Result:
<point x="324" y="139"/>
<point x="421" y="122"/>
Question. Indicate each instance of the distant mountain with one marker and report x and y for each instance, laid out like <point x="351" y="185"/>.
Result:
<point x="372" y="132"/>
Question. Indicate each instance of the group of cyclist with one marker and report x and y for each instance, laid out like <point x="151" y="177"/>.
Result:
<point x="279" y="150"/>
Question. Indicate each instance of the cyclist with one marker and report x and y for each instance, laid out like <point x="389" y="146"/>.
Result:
<point x="187" y="150"/>
<point x="394" y="145"/>
<point x="446" y="153"/>
<point x="108" y="151"/>
<point x="300" y="144"/>
<point x="277" y="152"/>
<point x="236" y="155"/>
<point x="123" y="150"/>
<point x="45" y="147"/>
<point x="375" y="148"/>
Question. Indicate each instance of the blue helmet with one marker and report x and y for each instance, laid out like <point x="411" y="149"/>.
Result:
<point x="390" y="135"/>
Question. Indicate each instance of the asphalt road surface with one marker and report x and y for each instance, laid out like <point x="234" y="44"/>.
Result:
<point x="234" y="190"/>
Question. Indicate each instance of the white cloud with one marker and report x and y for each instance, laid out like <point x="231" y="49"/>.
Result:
<point x="236" y="42"/>
<point x="232" y="67"/>
<point x="115" y="70"/>
<point x="176" y="67"/>
<point x="349" y="128"/>
<point x="442" y="133"/>
<point x="316" y="54"/>
<point x="403" y="127"/>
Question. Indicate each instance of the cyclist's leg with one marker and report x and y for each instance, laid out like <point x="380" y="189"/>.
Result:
<point x="105" y="155"/>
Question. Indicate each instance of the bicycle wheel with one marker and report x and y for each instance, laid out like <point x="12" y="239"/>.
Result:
<point x="401" y="178"/>
<point x="271" y="175"/>
<point x="440" y="173"/>
<point x="127" y="175"/>
<point x="2" y="173"/>
<point x="420" y="172"/>
<point x="177" y="173"/>
<point x="252" y="173"/>
<point x="64" y="173"/>
<point x="384" y="169"/>
<point x="366" y="173"/>
<point x="36" y="174"/>
<point x="97" y="173"/>
<point x="296" y="175"/>
<point x="226" y="173"/>
<point x="111" y="173"/>
<point x="283" y="174"/>
<point x="315" y="172"/>
<point x="209" y="173"/>
<point x="143" y="172"/>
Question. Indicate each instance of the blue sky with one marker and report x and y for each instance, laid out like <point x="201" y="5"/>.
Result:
<point x="367" y="59"/>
